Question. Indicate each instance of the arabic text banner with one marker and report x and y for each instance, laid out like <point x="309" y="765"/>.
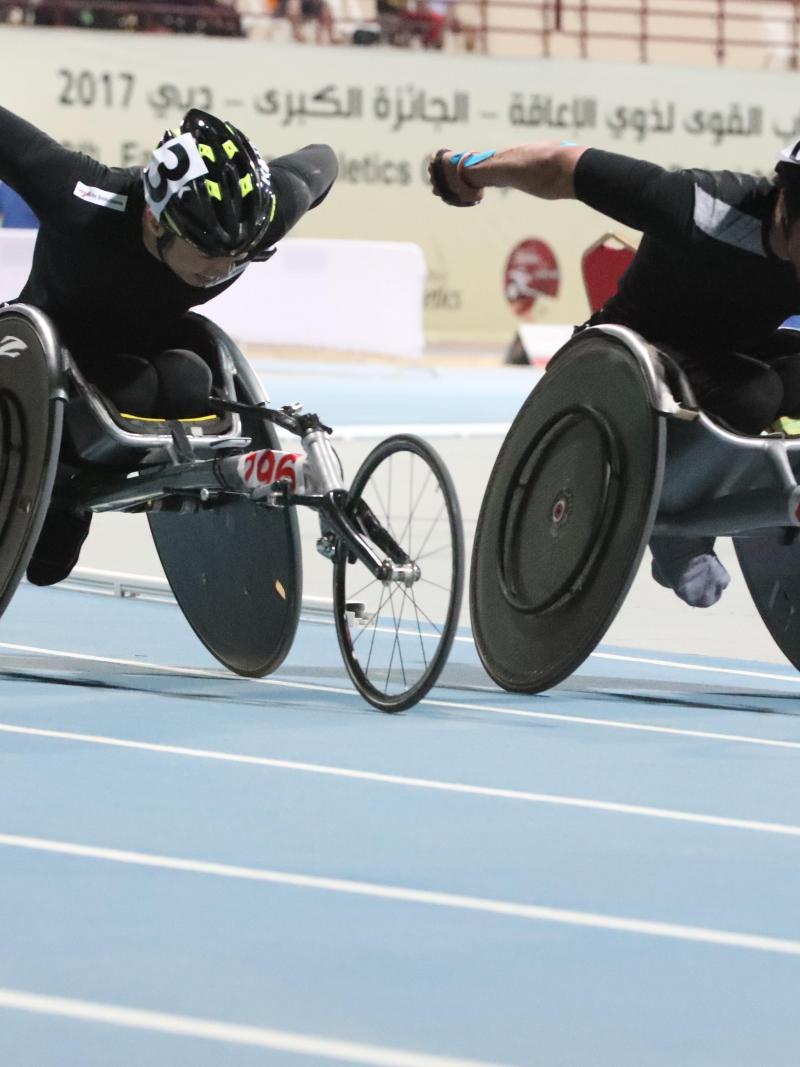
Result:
<point x="384" y="112"/>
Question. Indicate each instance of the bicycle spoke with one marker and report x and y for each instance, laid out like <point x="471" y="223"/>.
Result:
<point x="383" y="510"/>
<point x="436" y="585"/>
<point x="373" y="628"/>
<point x="413" y="509"/>
<point x="437" y="627"/>
<point x="432" y="526"/>
<point x="396" y="645"/>
<point x="357" y="592"/>
<point x="434" y="552"/>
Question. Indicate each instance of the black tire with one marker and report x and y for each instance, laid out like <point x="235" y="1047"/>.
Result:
<point x="566" y="516"/>
<point x="408" y="488"/>
<point x="240" y="583"/>
<point x="32" y="391"/>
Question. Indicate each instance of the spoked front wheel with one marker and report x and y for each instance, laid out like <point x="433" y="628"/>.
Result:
<point x="395" y="634"/>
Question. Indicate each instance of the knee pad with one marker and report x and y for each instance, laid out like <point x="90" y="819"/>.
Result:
<point x="184" y="384"/>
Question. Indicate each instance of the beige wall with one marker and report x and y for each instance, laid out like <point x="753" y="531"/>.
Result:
<point x="384" y="111"/>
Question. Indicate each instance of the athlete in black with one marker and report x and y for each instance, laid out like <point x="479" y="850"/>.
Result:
<point x="715" y="275"/>
<point x="123" y="253"/>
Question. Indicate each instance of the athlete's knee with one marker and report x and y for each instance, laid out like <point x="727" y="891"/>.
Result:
<point x="184" y="383"/>
<point x="130" y="382"/>
<point x="750" y="406"/>
<point x="788" y="369"/>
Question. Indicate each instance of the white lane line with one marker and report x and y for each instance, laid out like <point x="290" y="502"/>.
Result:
<point x="616" y="724"/>
<point x="405" y="894"/>
<point x="557" y="800"/>
<point x="739" y="672"/>
<point x="229" y="1033"/>
<point x="201" y="673"/>
<point x="89" y="579"/>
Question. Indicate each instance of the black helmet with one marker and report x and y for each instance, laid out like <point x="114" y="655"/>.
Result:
<point x="787" y="169"/>
<point x="207" y="184"/>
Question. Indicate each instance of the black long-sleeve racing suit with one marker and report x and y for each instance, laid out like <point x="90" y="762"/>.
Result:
<point x="106" y="293"/>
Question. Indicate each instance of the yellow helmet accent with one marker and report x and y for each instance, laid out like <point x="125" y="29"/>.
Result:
<point x="207" y="151"/>
<point x="213" y="189"/>
<point x="246" y="184"/>
<point x="272" y="209"/>
<point x="229" y="149"/>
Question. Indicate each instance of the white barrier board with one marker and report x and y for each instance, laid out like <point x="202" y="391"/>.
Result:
<point x="357" y="295"/>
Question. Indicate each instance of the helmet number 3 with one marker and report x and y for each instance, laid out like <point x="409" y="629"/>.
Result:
<point x="172" y="166"/>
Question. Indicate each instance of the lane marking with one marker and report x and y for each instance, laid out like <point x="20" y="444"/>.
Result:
<point x="200" y="673"/>
<point x="740" y="672"/>
<point x="229" y="1033"/>
<point x="119" y="581"/>
<point x="405" y="894"/>
<point x="557" y="800"/>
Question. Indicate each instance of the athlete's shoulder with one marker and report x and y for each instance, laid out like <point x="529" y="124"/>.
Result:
<point x="108" y="190"/>
<point x="749" y="193"/>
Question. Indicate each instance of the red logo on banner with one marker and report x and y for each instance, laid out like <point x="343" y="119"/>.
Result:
<point x="531" y="271"/>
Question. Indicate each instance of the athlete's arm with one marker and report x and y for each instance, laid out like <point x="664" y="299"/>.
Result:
<point x="301" y="181"/>
<point x="545" y="169"/>
<point x="634" y="192"/>
<point x="41" y="170"/>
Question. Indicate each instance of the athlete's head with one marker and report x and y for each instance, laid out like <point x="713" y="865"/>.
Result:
<point x="787" y="171"/>
<point x="207" y="185"/>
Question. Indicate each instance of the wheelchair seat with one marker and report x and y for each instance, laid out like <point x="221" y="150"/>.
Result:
<point x="98" y="432"/>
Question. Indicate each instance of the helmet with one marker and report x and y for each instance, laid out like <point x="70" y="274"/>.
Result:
<point x="207" y="184"/>
<point x="787" y="169"/>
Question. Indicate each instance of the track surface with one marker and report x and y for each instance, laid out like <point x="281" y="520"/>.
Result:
<point x="199" y="869"/>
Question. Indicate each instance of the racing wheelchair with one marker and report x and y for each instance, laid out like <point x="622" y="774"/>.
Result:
<point x="610" y="448"/>
<point x="220" y="497"/>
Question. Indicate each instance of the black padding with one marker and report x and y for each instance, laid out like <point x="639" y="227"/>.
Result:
<point x="236" y="571"/>
<point x="31" y="414"/>
<point x="566" y="516"/>
<point x="770" y="562"/>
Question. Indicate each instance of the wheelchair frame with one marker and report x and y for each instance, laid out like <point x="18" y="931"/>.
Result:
<point x="183" y="471"/>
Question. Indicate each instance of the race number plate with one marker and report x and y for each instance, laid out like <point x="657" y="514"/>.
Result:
<point x="260" y="470"/>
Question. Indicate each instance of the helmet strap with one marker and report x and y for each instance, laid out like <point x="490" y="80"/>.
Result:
<point x="163" y="243"/>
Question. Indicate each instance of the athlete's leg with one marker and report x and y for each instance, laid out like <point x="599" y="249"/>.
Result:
<point x="782" y="354"/>
<point x="184" y="383"/>
<point x="745" y="392"/>
<point x="171" y="384"/>
<point x="130" y="383"/>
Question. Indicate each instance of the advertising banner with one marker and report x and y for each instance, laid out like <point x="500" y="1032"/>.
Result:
<point x="384" y="111"/>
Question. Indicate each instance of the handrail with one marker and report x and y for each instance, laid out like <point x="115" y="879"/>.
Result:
<point x="579" y="28"/>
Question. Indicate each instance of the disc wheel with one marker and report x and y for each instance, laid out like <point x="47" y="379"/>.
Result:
<point x="236" y="567"/>
<point x="566" y="515"/>
<point x="395" y="635"/>
<point x="31" y="416"/>
<point x="770" y="562"/>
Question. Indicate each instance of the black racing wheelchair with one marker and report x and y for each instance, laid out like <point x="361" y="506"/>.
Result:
<point x="610" y="448"/>
<point x="220" y="497"/>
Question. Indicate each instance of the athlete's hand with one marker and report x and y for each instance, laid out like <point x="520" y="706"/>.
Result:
<point x="446" y="172"/>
